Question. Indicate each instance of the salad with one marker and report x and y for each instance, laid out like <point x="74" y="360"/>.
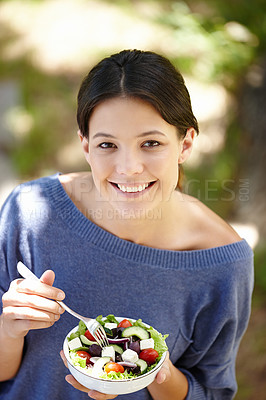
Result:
<point x="134" y="349"/>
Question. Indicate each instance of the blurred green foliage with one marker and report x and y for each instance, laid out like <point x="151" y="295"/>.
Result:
<point x="251" y="14"/>
<point x="214" y="41"/>
<point x="51" y="103"/>
<point x="208" y="46"/>
<point x="260" y="272"/>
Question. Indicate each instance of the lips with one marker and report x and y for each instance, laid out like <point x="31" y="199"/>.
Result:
<point x="137" y="187"/>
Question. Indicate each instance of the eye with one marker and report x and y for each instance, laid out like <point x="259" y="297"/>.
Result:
<point x="107" y="145"/>
<point x="151" y="143"/>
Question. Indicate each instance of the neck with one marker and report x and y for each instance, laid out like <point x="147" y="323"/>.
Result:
<point x="149" y="227"/>
<point x="159" y="227"/>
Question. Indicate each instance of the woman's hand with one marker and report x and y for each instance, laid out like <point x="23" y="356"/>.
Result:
<point x="29" y="304"/>
<point x="164" y="374"/>
<point x="93" y="394"/>
<point x="170" y="383"/>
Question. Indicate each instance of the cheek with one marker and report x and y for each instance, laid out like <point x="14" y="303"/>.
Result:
<point x="169" y="173"/>
<point x="100" y="166"/>
<point x="167" y="165"/>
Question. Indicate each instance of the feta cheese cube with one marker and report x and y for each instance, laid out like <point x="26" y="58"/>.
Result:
<point x="109" y="351"/>
<point x="94" y="359"/>
<point x="110" y="325"/>
<point x="74" y="343"/>
<point x="130" y="356"/>
<point x="146" y="344"/>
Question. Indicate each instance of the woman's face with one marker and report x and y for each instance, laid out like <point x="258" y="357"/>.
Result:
<point x="133" y="154"/>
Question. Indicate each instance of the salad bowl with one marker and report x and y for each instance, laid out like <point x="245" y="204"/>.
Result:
<point x="109" y="386"/>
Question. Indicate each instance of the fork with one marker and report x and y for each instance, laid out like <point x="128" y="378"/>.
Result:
<point x="93" y="326"/>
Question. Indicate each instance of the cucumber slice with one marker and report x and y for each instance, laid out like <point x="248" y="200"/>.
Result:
<point x="135" y="331"/>
<point x="117" y="348"/>
<point x="86" y="340"/>
<point x="142" y="364"/>
<point x="83" y="348"/>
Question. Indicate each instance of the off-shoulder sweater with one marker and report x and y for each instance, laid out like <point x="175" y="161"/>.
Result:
<point x="201" y="298"/>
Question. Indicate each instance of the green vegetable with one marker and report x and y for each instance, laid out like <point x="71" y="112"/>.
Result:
<point x="135" y="331"/>
<point x="140" y="324"/>
<point x="118" y="375"/>
<point x="80" y="331"/>
<point x="159" y="341"/>
<point x="82" y="328"/>
<point x="78" y="361"/>
<point x="72" y="336"/>
<point x="109" y="318"/>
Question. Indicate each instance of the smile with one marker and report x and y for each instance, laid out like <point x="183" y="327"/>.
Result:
<point x="133" y="189"/>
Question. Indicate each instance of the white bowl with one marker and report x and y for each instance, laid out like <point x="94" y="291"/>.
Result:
<point x="111" y="386"/>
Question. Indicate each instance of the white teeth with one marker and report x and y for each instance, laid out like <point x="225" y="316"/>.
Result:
<point x="133" y="189"/>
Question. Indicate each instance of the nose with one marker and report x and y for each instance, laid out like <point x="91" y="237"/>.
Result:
<point x="129" y="162"/>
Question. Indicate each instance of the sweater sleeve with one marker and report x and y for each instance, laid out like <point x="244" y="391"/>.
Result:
<point x="11" y="240"/>
<point x="209" y="363"/>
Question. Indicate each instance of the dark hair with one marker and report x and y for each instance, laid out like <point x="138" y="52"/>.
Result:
<point x="141" y="74"/>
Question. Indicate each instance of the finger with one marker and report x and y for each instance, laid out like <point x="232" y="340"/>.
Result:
<point x="21" y="327"/>
<point x="92" y="393"/>
<point x="31" y="314"/>
<point x="31" y="325"/>
<point x="161" y="377"/>
<point x="62" y="355"/>
<point x="15" y="283"/>
<point x="48" y="277"/>
<point x="13" y="298"/>
<point x="164" y="373"/>
<point x="30" y="286"/>
<point x="73" y="382"/>
<point x="100" y="396"/>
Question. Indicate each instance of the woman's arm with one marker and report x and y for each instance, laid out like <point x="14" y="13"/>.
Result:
<point x="26" y="305"/>
<point x="170" y="383"/>
<point x="10" y="353"/>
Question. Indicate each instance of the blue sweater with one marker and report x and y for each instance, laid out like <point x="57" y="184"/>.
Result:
<point x="201" y="298"/>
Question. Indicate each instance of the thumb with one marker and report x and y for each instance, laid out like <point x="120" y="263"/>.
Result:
<point x="48" y="277"/>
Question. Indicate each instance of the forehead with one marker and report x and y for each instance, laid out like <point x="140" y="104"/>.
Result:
<point x="126" y="111"/>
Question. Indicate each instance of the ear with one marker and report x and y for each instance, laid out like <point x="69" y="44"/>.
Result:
<point x="186" y="145"/>
<point x="84" y="144"/>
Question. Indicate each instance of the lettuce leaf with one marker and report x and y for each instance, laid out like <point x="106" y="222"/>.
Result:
<point x="118" y="375"/>
<point x="78" y="361"/>
<point x="159" y="341"/>
<point x="110" y="318"/>
<point x="140" y="324"/>
<point x="82" y="328"/>
<point x="80" y="331"/>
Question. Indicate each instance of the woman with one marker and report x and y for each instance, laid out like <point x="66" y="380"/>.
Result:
<point x="122" y="239"/>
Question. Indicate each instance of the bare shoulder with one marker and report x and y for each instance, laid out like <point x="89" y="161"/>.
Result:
<point x="209" y="229"/>
<point x="78" y="186"/>
<point x="74" y="177"/>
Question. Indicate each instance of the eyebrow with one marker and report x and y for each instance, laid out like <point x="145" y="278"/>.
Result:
<point x="108" y="135"/>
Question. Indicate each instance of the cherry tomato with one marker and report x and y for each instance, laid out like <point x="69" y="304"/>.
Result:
<point x="149" y="355"/>
<point x="124" y="324"/>
<point x="84" y="354"/>
<point x="89" y="336"/>
<point x="112" y="366"/>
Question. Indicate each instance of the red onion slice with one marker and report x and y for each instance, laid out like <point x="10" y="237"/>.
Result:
<point x="127" y="364"/>
<point x="118" y="341"/>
